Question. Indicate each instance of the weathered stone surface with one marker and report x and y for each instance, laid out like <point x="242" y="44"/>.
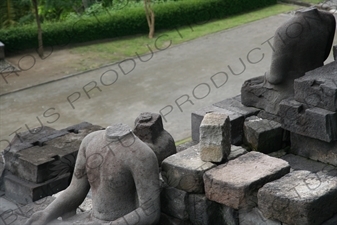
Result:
<point x="314" y="149"/>
<point x="258" y="93"/>
<point x="300" y="197"/>
<point x="300" y="163"/>
<point x="332" y="221"/>
<point x="174" y="202"/>
<point x="185" y="170"/>
<point x="23" y="192"/>
<point x="255" y="217"/>
<point x="169" y="220"/>
<point x="265" y="115"/>
<point x="334" y="49"/>
<point x="202" y="211"/>
<point x="215" y="137"/>
<point x="235" y="183"/>
<point x="311" y="122"/>
<point x="149" y="128"/>
<point x="236" y="151"/>
<point x="235" y="119"/>
<point x="263" y="135"/>
<point x="318" y="88"/>
<point x="235" y="105"/>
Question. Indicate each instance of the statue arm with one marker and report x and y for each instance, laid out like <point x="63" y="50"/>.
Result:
<point x="71" y="198"/>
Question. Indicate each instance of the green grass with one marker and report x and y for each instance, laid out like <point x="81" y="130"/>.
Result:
<point x="312" y="1"/>
<point x="121" y="48"/>
<point x="183" y="141"/>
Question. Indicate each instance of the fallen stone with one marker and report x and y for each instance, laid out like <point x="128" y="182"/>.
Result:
<point x="215" y="137"/>
<point x="24" y="192"/>
<point x="318" y="88"/>
<point x="263" y="135"/>
<point x="300" y="163"/>
<point x="236" y="183"/>
<point x="174" y="202"/>
<point x="236" y="121"/>
<point x="185" y="170"/>
<point x="300" y="197"/>
<point x="202" y="211"/>
<point x="255" y="217"/>
<point x="314" y="149"/>
<point x="311" y="122"/>
<point x="235" y="105"/>
<point x="149" y="128"/>
<point x="266" y="115"/>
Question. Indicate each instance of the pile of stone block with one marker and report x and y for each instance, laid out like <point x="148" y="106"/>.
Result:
<point x="40" y="162"/>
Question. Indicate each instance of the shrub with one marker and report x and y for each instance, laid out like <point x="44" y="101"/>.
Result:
<point x="128" y="21"/>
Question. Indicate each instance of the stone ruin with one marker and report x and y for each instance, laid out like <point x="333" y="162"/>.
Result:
<point x="267" y="156"/>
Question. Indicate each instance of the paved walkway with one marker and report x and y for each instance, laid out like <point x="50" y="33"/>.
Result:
<point x="174" y="82"/>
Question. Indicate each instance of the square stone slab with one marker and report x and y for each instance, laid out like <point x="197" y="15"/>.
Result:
<point x="300" y="197"/>
<point x="185" y="169"/>
<point x="236" y="183"/>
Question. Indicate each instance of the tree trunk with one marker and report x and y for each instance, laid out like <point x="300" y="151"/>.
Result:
<point x="39" y="31"/>
<point x="149" y="17"/>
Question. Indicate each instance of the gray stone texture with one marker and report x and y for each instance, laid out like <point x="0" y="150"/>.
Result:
<point x="236" y="183"/>
<point x="2" y="51"/>
<point x="236" y="151"/>
<point x="149" y="128"/>
<point x="231" y="107"/>
<point x="169" y="220"/>
<point x="318" y="88"/>
<point x="263" y="135"/>
<point x="215" y="137"/>
<point x="174" y="202"/>
<point x="300" y="197"/>
<point x="332" y="221"/>
<point x="334" y="49"/>
<point x="54" y="155"/>
<point x="314" y="149"/>
<point x="310" y="122"/>
<point x="23" y="192"/>
<point x="185" y="170"/>
<point x="255" y="217"/>
<point x="301" y="44"/>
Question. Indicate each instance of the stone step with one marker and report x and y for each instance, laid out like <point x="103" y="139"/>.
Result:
<point x="300" y="197"/>
<point x="314" y="149"/>
<point x="310" y="122"/>
<point x="236" y="183"/>
<point x="318" y="88"/>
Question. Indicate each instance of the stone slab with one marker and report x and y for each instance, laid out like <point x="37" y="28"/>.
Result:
<point x="235" y="119"/>
<point x="255" y="217"/>
<point x="314" y="149"/>
<point x="185" y="170"/>
<point x="300" y="197"/>
<point x="169" y="220"/>
<point x="297" y="162"/>
<point x="235" y="105"/>
<point x="201" y="210"/>
<point x="318" y="88"/>
<point x="24" y="192"/>
<point x="236" y="151"/>
<point x="174" y="202"/>
<point x="263" y="135"/>
<point x="236" y="183"/>
<point x="311" y="122"/>
<point x="215" y="138"/>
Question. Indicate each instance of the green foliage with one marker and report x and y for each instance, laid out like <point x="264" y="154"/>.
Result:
<point x="103" y="23"/>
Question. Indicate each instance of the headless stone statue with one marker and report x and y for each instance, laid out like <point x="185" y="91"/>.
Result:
<point x="123" y="174"/>
<point x="300" y="45"/>
<point x="149" y="128"/>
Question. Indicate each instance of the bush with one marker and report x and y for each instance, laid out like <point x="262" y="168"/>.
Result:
<point x="127" y="21"/>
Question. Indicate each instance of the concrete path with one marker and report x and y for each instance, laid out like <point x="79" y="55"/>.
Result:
<point x="174" y="82"/>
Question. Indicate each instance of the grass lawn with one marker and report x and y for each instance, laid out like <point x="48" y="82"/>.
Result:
<point x="118" y="49"/>
<point x="312" y="1"/>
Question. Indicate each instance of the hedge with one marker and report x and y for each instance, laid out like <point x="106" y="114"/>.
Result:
<point x="127" y="21"/>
